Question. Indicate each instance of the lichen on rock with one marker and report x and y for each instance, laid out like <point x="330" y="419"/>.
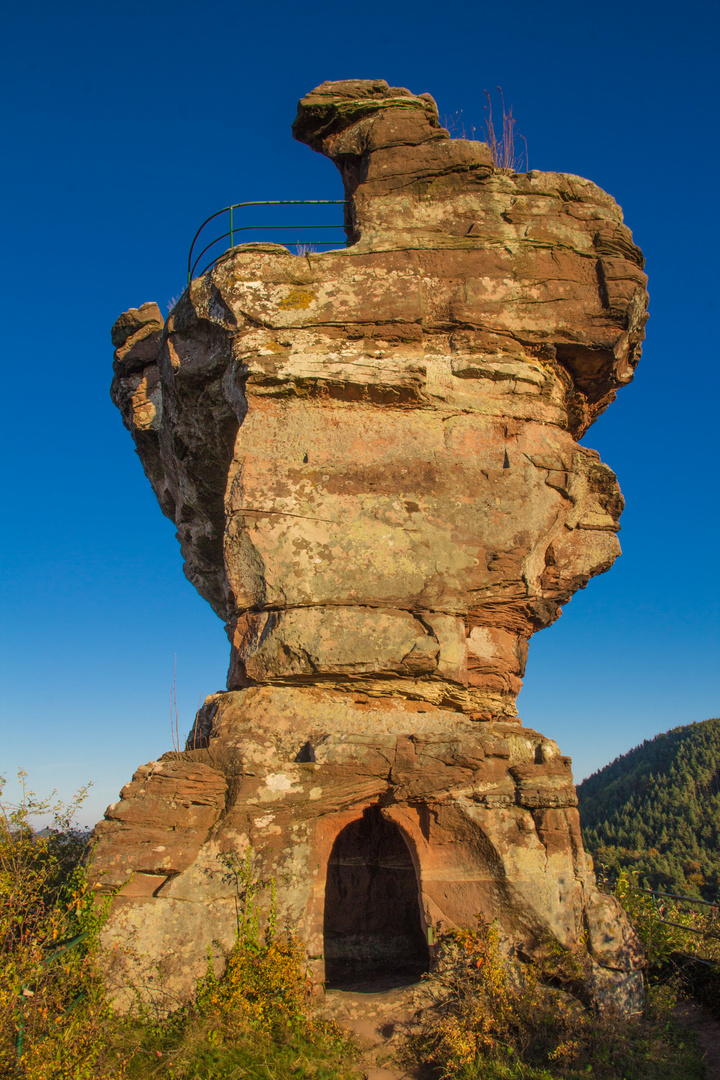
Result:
<point x="371" y="458"/>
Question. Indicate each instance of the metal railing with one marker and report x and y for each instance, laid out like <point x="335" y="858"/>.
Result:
<point x="675" y="896"/>
<point x="607" y="885"/>
<point x="688" y="900"/>
<point x="234" y="230"/>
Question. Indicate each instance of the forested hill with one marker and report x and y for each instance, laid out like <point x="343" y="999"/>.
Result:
<point x="656" y="809"/>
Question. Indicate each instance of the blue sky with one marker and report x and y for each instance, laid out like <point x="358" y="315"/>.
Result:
<point x="124" y="126"/>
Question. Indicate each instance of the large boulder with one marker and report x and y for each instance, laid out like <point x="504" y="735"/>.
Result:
<point x="371" y="458"/>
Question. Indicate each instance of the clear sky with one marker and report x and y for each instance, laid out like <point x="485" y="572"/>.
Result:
<point x="124" y="126"/>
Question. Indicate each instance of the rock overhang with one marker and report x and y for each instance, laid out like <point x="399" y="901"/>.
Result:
<point x="371" y="457"/>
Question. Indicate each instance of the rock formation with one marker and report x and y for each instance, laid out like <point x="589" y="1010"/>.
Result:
<point x="371" y="458"/>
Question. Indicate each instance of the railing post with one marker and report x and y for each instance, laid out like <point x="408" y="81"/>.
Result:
<point x="244" y="228"/>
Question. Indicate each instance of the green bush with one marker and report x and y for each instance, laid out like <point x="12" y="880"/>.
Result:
<point x="56" y="1022"/>
<point x="505" y="1019"/>
<point x="52" y="1004"/>
<point x="681" y="942"/>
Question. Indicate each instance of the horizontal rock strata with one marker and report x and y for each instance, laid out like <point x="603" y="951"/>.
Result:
<point x="487" y="811"/>
<point x="371" y="458"/>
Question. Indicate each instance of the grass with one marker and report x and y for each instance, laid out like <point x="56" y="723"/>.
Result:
<point x="506" y="154"/>
<point x="209" y="1051"/>
<point x="500" y="1021"/>
<point x="503" y="1019"/>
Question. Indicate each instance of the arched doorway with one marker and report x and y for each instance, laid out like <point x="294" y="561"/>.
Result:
<point x="372" y="914"/>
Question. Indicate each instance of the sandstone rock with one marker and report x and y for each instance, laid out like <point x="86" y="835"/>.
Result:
<point x="371" y="459"/>
<point x="485" y="813"/>
<point x="157" y="828"/>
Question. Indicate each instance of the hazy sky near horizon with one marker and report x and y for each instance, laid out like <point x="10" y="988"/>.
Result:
<point x="125" y="125"/>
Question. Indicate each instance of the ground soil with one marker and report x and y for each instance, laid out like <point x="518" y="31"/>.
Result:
<point x="380" y="1015"/>
<point x="707" y="1028"/>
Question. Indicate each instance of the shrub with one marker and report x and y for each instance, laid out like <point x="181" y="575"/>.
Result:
<point x="266" y="984"/>
<point x="258" y="1014"/>
<point x="52" y="1005"/>
<point x="502" y="1018"/>
<point x="681" y="942"/>
<point x="55" y="1020"/>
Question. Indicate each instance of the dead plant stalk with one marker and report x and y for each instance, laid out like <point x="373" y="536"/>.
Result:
<point x="174" y="719"/>
<point x="504" y="153"/>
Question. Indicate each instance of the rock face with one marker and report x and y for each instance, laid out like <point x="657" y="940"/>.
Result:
<point x="371" y="459"/>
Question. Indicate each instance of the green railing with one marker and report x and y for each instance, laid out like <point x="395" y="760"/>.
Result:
<point x="713" y="905"/>
<point x="235" y="230"/>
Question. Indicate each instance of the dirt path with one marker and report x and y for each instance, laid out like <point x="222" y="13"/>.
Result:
<point x="380" y="1020"/>
<point x="707" y="1028"/>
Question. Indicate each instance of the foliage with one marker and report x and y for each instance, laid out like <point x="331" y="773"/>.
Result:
<point x="256" y="1018"/>
<point x="666" y="926"/>
<point x="505" y="154"/>
<point x="503" y="1019"/>
<point x="259" y="1012"/>
<point x="656" y="811"/>
<point x="681" y="943"/>
<point x="266" y="984"/>
<point x="52" y="1004"/>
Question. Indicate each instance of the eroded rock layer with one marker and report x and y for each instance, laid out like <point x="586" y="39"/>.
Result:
<point x="371" y="458"/>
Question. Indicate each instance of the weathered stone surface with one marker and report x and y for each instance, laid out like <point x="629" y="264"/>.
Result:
<point x="159" y="824"/>
<point x="393" y="424"/>
<point x="371" y="459"/>
<point x="466" y="799"/>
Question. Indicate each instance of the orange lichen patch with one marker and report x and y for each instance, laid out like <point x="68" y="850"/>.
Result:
<point x="298" y="299"/>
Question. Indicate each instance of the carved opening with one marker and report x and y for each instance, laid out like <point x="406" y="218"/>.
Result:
<point x="373" y="930"/>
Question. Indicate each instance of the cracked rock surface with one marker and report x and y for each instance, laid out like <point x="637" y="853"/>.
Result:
<point x="371" y="458"/>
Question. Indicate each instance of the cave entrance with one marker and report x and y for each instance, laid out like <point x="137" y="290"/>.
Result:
<point x="373" y="931"/>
